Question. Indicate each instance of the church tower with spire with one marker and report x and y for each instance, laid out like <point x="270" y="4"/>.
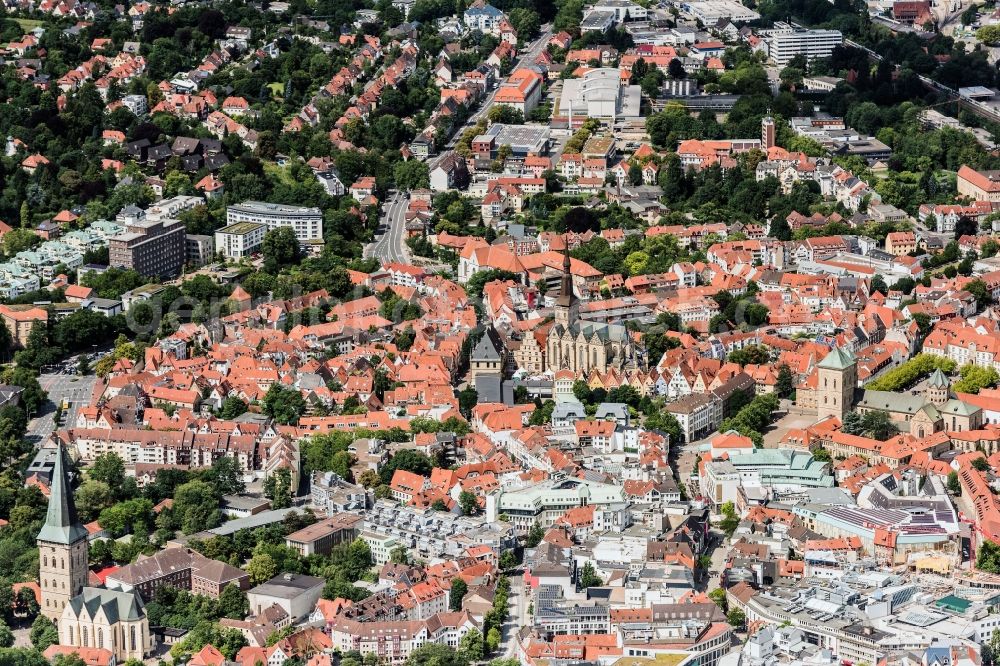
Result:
<point x="62" y="545"/>
<point x="567" y="309"/>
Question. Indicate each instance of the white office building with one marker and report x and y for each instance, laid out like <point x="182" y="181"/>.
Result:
<point x="786" y="42"/>
<point x="708" y="12"/>
<point x="306" y="222"/>
<point x="240" y="240"/>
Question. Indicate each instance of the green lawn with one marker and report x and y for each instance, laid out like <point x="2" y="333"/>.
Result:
<point x="277" y="88"/>
<point x="28" y="24"/>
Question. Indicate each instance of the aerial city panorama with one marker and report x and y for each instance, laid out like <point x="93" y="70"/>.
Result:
<point x="499" y="333"/>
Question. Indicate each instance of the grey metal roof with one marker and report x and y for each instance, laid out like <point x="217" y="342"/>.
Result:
<point x="117" y="606"/>
<point x="62" y="525"/>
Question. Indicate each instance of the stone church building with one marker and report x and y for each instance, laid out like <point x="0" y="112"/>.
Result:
<point x="582" y="346"/>
<point x="89" y="617"/>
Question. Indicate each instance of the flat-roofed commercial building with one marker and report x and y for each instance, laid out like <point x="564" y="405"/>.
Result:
<point x="150" y="246"/>
<point x="306" y="222"/>
<point x="786" y="42"/>
<point x="598" y="94"/>
<point x="710" y="11"/>
<point x="240" y="239"/>
<point x="523" y="140"/>
<point x="320" y="538"/>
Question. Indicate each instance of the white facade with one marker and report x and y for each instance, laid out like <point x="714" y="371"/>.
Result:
<point x="307" y="223"/>
<point x="786" y="42"/>
<point x="136" y="104"/>
<point x="710" y="11"/>
<point x="240" y="240"/>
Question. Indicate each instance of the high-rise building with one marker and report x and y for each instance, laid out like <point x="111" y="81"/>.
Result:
<point x="785" y="42"/>
<point x="154" y="245"/>
<point x="62" y="546"/>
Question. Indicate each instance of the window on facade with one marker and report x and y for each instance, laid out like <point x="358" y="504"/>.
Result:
<point x="132" y="636"/>
<point x="86" y="641"/>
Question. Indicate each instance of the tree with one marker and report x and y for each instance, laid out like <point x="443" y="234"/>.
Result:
<point x="493" y="639"/>
<point x="284" y="405"/>
<point x="751" y="354"/>
<point x="459" y="589"/>
<point x="232" y="407"/>
<point x="981" y="465"/>
<point x="110" y="469"/>
<point x="989" y="35"/>
<point x="878" y="425"/>
<point x="19" y="240"/>
<point x="988" y="557"/>
<point x="409" y="460"/>
<point x="468" y="502"/>
<point x="233" y="603"/>
<point x="965" y="226"/>
<point x="589" y="577"/>
<point x="665" y="422"/>
<point x="399" y="555"/>
<point x="534" y="536"/>
<point x="756" y="314"/>
<point x="878" y="284"/>
<point x="506" y="115"/>
<point x="280" y="248"/>
<point x="730" y="519"/>
<point x="980" y="291"/>
<point x="992" y="648"/>
<point x="974" y="378"/>
<point x="411" y="175"/>
<point x="261" y="568"/>
<point x="435" y="654"/>
<point x="369" y="479"/>
<point x="526" y="22"/>
<point x="278" y="488"/>
<point x="25" y="602"/>
<point x="718" y="595"/>
<point x="471" y="646"/>
<point x="91" y="498"/>
<point x="6" y="635"/>
<point x="226" y="476"/>
<point x="196" y="507"/>
<point x="736" y="617"/>
<point x="785" y="385"/>
<point x="33" y="397"/>
<point x="954" y="485"/>
<point x="467" y="399"/>
<point x="43" y="633"/>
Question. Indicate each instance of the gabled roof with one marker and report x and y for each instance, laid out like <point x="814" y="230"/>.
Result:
<point x="117" y="606"/>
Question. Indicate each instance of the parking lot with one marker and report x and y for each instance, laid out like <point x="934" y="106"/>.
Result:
<point x="60" y="385"/>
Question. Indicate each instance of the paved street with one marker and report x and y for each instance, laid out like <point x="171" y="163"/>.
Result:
<point x="525" y="57"/>
<point x="76" y="390"/>
<point x="517" y="614"/>
<point x="391" y="246"/>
